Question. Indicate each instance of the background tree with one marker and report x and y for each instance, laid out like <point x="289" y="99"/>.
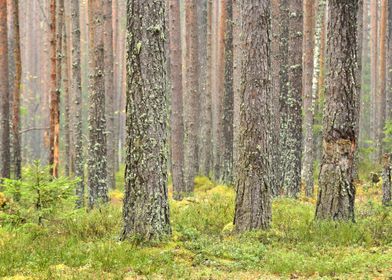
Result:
<point x="192" y="97"/>
<point x="97" y="172"/>
<point x="381" y="91"/>
<point x="291" y="103"/>
<point x="54" y="94"/>
<point x="16" y="141"/>
<point x="374" y="68"/>
<point x="146" y="208"/>
<point x="337" y="191"/>
<point x="5" y="152"/>
<point x="253" y="201"/>
<point x="177" y="116"/>
<point x="228" y="96"/>
<point x="308" y="105"/>
<point x="110" y="93"/>
<point x="76" y="85"/>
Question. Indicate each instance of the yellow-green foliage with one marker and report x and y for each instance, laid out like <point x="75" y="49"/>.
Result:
<point x="85" y="245"/>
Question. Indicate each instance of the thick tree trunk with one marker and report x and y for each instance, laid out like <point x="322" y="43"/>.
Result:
<point x="253" y="202"/>
<point x="77" y="102"/>
<point x="387" y="180"/>
<point x="291" y="103"/>
<point x="308" y="63"/>
<point x="54" y="94"/>
<point x="337" y="191"/>
<point x="16" y="141"/>
<point x="177" y="115"/>
<point x="5" y="152"/>
<point x="109" y="93"/>
<point x="228" y="98"/>
<point x="97" y="160"/>
<point x="146" y="208"/>
<point x="192" y="97"/>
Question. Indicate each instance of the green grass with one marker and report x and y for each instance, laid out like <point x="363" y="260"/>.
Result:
<point x="81" y="245"/>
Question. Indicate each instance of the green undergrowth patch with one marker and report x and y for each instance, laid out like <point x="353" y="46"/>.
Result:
<point x="77" y="244"/>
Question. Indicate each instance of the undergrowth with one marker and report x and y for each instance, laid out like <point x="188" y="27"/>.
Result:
<point x="85" y="245"/>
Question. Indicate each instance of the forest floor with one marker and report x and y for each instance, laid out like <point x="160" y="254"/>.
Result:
<point x="80" y="245"/>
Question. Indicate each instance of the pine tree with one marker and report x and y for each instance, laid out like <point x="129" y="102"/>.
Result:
<point x="97" y="155"/>
<point x="253" y="185"/>
<point x="146" y="207"/>
<point x="337" y="191"/>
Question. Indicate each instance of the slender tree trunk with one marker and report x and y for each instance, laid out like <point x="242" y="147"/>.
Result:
<point x="253" y="202"/>
<point x="59" y="64"/>
<point x="374" y="68"/>
<point x="146" y="208"/>
<point x="5" y="152"/>
<point x="337" y="191"/>
<point x="16" y="141"/>
<point x="177" y="117"/>
<point x="109" y="93"/>
<point x="192" y="97"/>
<point x="205" y="42"/>
<point x="97" y="160"/>
<point x="54" y="94"/>
<point x="381" y="91"/>
<point x="236" y="82"/>
<point x="291" y="103"/>
<point x="228" y="98"/>
<point x="308" y="63"/>
<point x="67" y="102"/>
<point x="387" y="180"/>
<point x="389" y="65"/>
<point x="77" y="101"/>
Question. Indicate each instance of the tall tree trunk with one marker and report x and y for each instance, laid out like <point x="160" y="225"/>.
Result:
<point x="177" y="117"/>
<point x="205" y="41"/>
<point x="192" y="97"/>
<point x="389" y="64"/>
<point x="253" y="202"/>
<point x="109" y="93"/>
<point x="291" y="103"/>
<point x="54" y="94"/>
<point x="77" y="101"/>
<point x="337" y="191"/>
<point x="67" y="101"/>
<point x="146" y="207"/>
<point x="16" y="141"/>
<point x="374" y="68"/>
<point x="59" y="64"/>
<point x="308" y="63"/>
<point x="228" y="97"/>
<point x="276" y="64"/>
<point x="97" y="160"/>
<point x="381" y="91"/>
<point x="5" y="152"/>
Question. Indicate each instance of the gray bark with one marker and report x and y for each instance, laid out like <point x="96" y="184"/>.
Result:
<point x="146" y="207"/>
<point x="76" y="87"/>
<point x="97" y="154"/>
<point x="291" y="102"/>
